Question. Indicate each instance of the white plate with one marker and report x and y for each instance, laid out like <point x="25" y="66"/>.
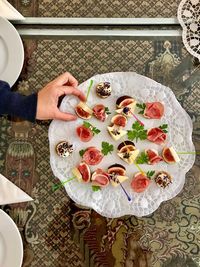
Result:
<point x="112" y="202"/>
<point x="11" y="52"/>
<point x="11" y="246"/>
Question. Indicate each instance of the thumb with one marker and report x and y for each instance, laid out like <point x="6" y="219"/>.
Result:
<point x="65" y="116"/>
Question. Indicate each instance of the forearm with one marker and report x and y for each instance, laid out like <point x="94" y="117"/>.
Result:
<point x="14" y="104"/>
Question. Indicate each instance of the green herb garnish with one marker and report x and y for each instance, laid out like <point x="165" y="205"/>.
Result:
<point x="81" y="152"/>
<point x="96" y="188"/>
<point x="164" y="128"/>
<point x="150" y="174"/>
<point x="93" y="128"/>
<point x="141" y="107"/>
<point x="142" y="158"/>
<point x="137" y="132"/>
<point x="106" y="148"/>
<point x="107" y="111"/>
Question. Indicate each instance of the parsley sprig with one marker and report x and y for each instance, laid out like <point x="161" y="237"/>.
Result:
<point x="137" y="132"/>
<point x="164" y="128"/>
<point x="81" y="152"/>
<point x="106" y="148"/>
<point x="142" y="158"/>
<point x="141" y="107"/>
<point x="96" y="188"/>
<point x="150" y="174"/>
<point x="93" y="128"/>
<point x="107" y="111"/>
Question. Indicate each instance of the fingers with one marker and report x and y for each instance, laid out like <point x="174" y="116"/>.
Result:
<point x="64" y="116"/>
<point x="68" y="90"/>
<point x="66" y="79"/>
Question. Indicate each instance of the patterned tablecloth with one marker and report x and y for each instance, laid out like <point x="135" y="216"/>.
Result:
<point x="57" y="232"/>
<point x="96" y="8"/>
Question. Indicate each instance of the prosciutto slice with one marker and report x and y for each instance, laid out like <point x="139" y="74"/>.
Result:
<point x="156" y="135"/>
<point x="140" y="182"/>
<point x="154" y="110"/>
<point x="153" y="156"/>
<point x="85" y="134"/>
<point x="92" y="156"/>
<point x="99" y="112"/>
<point x="100" y="178"/>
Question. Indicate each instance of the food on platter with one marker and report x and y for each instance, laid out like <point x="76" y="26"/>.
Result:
<point x="151" y="110"/>
<point x="85" y="134"/>
<point x="127" y="151"/>
<point x="117" y="169"/>
<point x="169" y="155"/>
<point x="153" y="156"/>
<point x="82" y="172"/>
<point x="157" y="135"/>
<point x="117" y="174"/>
<point x="92" y="156"/>
<point x="116" y="180"/>
<point x="126" y="105"/>
<point x="116" y="132"/>
<point x="100" y="178"/>
<point x="163" y="179"/>
<point x="140" y="182"/>
<point x="83" y="111"/>
<point x="119" y="120"/>
<point x="86" y="131"/>
<point x="137" y="132"/>
<point x="103" y="89"/>
<point x="100" y="112"/>
<point x="64" y="149"/>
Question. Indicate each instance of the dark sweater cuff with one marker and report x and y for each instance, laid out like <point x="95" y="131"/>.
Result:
<point x="15" y="104"/>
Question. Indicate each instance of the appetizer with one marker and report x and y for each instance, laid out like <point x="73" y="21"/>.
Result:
<point x="117" y="174"/>
<point x="151" y="110"/>
<point x="125" y="105"/>
<point x="140" y="182"/>
<point x="149" y="156"/>
<point x="82" y="172"/>
<point x="64" y="149"/>
<point x="85" y="134"/>
<point x="170" y="155"/>
<point x="157" y="135"/>
<point x="92" y="156"/>
<point x="119" y="120"/>
<point x="163" y="179"/>
<point x="100" y="112"/>
<point x="100" y="178"/>
<point x="116" y="132"/>
<point x="86" y="131"/>
<point x="127" y="151"/>
<point x="153" y="156"/>
<point x="117" y="169"/>
<point x="83" y="111"/>
<point x="103" y="89"/>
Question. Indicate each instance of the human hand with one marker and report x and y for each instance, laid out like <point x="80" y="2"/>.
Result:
<point x="48" y="97"/>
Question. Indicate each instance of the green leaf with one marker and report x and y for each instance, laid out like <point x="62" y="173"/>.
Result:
<point x="87" y="124"/>
<point x="81" y="152"/>
<point x="143" y="158"/>
<point x="164" y="127"/>
<point x="150" y="174"/>
<point x="93" y="128"/>
<point x="107" y="111"/>
<point x="142" y="107"/>
<point x="95" y="188"/>
<point x="137" y="132"/>
<point x="107" y="148"/>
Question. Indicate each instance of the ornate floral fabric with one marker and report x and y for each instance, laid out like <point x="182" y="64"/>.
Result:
<point x="57" y="232"/>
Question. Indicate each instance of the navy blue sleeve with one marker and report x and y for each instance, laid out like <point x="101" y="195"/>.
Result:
<point x="15" y="104"/>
